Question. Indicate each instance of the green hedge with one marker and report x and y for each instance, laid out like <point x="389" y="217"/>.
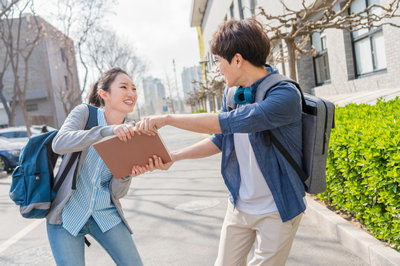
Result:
<point x="363" y="169"/>
<point x="201" y="110"/>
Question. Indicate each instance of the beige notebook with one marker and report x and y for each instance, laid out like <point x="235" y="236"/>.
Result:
<point x="121" y="156"/>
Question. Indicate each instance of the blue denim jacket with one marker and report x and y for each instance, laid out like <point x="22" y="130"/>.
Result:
<point x="279" y="112"/>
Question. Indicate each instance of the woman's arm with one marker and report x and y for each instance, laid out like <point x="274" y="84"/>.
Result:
<point x="72" y="137"/>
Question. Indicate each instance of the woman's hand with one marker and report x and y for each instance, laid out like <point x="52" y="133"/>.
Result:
<point x="150" y="125"/>
<point x="157" y="163"/>
<point x="138" y="170"/>
<point x="124" y="132"/>
<point x="154" y="163"/>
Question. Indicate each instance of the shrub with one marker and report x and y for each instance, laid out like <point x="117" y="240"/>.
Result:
<point x="201" y="110"/>
<point x="363" y="169"/>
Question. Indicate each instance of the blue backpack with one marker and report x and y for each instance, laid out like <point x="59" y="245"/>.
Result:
<point x="32" y="185"/>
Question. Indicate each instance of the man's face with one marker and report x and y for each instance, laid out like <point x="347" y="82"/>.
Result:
<point x="228" y="70"/>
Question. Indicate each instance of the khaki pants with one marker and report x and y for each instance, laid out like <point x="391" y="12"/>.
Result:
<point x="272" y="238"/>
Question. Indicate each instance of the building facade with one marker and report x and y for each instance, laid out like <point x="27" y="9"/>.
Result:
<point x="345" y="62"/>
<point x="52" y="76"/>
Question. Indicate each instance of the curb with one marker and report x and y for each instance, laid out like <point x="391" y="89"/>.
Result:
<point x="359" y="242"/>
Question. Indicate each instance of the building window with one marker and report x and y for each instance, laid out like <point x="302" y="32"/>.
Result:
<point x="253" y="5"/>
<point x="231" y="10"/>
<point x="241" y="9"/>
<point x="62" y="54"/>
<point x="30" y="107"/>
<point x="321" y="62"/>
<point x="368" y="44"/>
<point x="66" y="83"/>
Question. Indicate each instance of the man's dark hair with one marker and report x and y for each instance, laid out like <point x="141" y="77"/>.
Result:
<point x="246" y="37"/>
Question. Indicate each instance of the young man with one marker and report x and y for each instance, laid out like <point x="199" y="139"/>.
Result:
<point x="266" y="195"/>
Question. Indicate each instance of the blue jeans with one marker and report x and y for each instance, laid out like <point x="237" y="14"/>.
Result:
<point x="69" y="250"/>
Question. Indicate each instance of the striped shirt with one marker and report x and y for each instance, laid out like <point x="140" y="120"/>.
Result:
<point x="92" y="195"/>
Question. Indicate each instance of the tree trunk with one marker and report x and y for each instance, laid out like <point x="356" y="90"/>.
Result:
<point x="23" y="95"/>
<point x="290" y="45"/>
<point x="85" y="67"/>
<point x="5" y="104"/>
<point x="11" y="122"/>
<point x="3" y="98"/>
<point x="26" y="117"/>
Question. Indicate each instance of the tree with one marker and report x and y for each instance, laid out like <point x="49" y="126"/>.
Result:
<point x="5" y="63"/>
<point x="6" y="6"/>
<point x="216" y="87"/>
<point x="107" y="50"/>
<point x="168" y="99"/>
<point x="198" y="97"/>
<point x="294" y="27"/>
<point x="78" y="20"/>
<point x="191" y="101"/>
<point x="20" y="33"/>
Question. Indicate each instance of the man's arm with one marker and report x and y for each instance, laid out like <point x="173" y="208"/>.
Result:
<point x="201" y="123"/>
<point x="201" y="149"/>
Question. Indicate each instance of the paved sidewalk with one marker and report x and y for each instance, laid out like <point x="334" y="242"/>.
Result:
<point x="363" y="97"/>
<point x="177" y="215"/>
<point x="181" y="213"/>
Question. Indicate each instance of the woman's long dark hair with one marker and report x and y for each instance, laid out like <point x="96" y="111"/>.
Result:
<point x="103" y="83"/>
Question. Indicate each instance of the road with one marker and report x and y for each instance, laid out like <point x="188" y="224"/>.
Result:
<point x="176" y="217"/>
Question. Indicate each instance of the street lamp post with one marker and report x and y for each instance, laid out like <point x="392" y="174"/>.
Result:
<point x="209" y="106"/>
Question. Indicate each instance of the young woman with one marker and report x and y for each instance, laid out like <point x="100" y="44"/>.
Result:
<point x="93" y="207"/>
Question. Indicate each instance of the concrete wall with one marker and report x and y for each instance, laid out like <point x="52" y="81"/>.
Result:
<point x="339" y="47"/>
<point x="342" y="68"/>
<point x="45" y="78"/>
<point x="342" y="65"/>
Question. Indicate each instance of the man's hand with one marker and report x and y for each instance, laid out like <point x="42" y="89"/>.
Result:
<point x="150" y="125"/>
<point x="124" y="132"/>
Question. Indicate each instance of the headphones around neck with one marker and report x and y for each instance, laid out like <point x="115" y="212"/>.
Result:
<point x="243" y="96"/>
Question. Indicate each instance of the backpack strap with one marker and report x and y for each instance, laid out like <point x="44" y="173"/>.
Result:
<point x="262" y="90"/>
<point x="286" y="154"/>
<point x="267" y="84"/>
<point x="272" y="81"/>
<point x="91" y="122"/>
<point x="230" y="101"/>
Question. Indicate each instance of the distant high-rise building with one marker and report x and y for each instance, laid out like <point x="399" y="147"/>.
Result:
<point x="188" y="75"/>
<point x="154" y="95"/>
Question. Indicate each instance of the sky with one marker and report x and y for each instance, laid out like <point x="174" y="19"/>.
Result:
<point x="160" y="30"/>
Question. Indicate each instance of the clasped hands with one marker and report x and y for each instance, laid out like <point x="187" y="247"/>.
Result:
<point x="148" y="126"/>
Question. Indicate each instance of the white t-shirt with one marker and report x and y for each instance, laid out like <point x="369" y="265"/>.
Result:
<point x="255" y="197"/>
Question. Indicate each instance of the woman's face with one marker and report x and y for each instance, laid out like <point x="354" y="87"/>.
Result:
<point x="121" y="95"/>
